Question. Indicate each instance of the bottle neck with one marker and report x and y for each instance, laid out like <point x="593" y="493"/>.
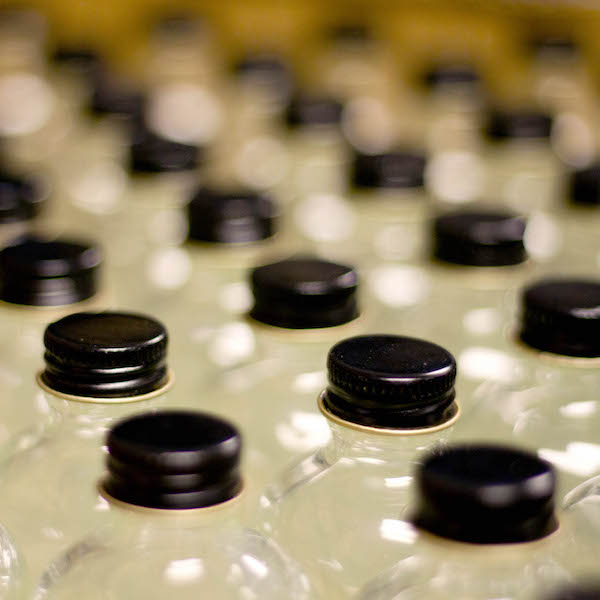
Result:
<point x="385" y="447"/>
<point x="92" y="419"/>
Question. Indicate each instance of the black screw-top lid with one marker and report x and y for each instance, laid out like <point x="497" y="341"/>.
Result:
<point x="522" y="125"/>
<point x="39" y="272"/>
<point x="115" y="96"/>
<point x="349" y="33"/>
<point x="441" y="75"/>
<point x="584" y="186"/>
<point x="151" y="153"/>
<point x="306" y="110"/>
<point x="178" y="25"/>
<point x="269" y="69"/>
<point x="81" y="59"/>
<point x="231" y="217"/>
<point x="173" y="460"/>
<point x="304" y="293"/>
<point x="584" y="591"/>
<point x="105" y="355"/>
<point x="20" y="199"/>
<point x="482" y="239"/>
<point x="390" y="381"/>
<point x="389" y="170"/>
<point x="562" y="316"/>
<point x="556" y="44"/>
<point x="485" y="494"/>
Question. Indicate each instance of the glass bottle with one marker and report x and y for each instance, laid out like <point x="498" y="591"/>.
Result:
<point x="13" y="573"/>
<point x="477" y="261"/>
<point x="251" y="152"/>
<point x="383" y="213"/>
<point x="388" y="399"/>
<point x="521" y="170"/>
<point x="91" y="178"/>
<point x="42" y="280"/>
<point x="301" y="307"/>
<point x="201" y="285"/>
<point x="162" y="173"/>
<point x="318" y="151"/>
<point x="483" y="526"/>
<point x="173" y="526"/>
<point x="576" y="218"/>
<point x="98" y="367"/>
<point x="544" y="393"/>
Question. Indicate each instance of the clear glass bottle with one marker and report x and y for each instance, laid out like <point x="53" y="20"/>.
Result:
<point x="91" y="177"/>
<point x="483" y="526"/>
<point x="99" y="367"/>
<point x="544" y="393"/>
<point x="13" y="573"/>
<point x="162" y="174"/>
<point x="478" y="259"/>
<point x="42" y="280"/>
<point x="577" y="218"/>
<point x="173" y="527"/>
<point x="388" y="399"/>
<point x="302" y="306"/>
<point x="452" y="106"/>
<point x="522" y="171"/>
<point x="318" y="150"/>
<point x="387" y="208"/>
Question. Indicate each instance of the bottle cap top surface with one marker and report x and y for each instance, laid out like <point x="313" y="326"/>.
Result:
<point x="105" y="355"/>
<point x="584" y="186"/>
<point x="21" y="198"/>
<point x="390" y="381"/>
<point x="173" y="459"/>
<point x="562" y="316"/>
<point x="231" y="217"/>
<point x="304" y="293"/>
<point x="37" y="272"/>
<point x="519" y="125"/>
<point x="305" y="110"/>
<point x="486" y="494"/>
<point x="483" y="239"/>
<point x="389" y="170"/>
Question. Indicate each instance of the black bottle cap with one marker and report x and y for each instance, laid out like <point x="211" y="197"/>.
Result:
<point x="80" y="59"/>
<point x="521" y="125"/>
<point x="562" y="316"/>
<point x="305" y="110"/>
<point x="231" y="217"/>
<point x="112" y="95"/>
<point x="584" y="591"/>
<point x="151" y="153"/>
<point x="481" y="239"/>
<point x="390" y="381"/>
<point x="442" y="75"/>
<point x="268" y="69"/>
<point x="105" y="355"/>
<point x="389" y="170"/>
<point x="485" y="494"/>
<point x="584" y="186"/>
<point x="304" y="293"/>
<point x="20" y="199"/>
<point x="38" y="272"/>
<point x="178" y="25"/>
<point x="349" y="33"/>
<point x="554" y="44"/>
<point x="173" y="460"/>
